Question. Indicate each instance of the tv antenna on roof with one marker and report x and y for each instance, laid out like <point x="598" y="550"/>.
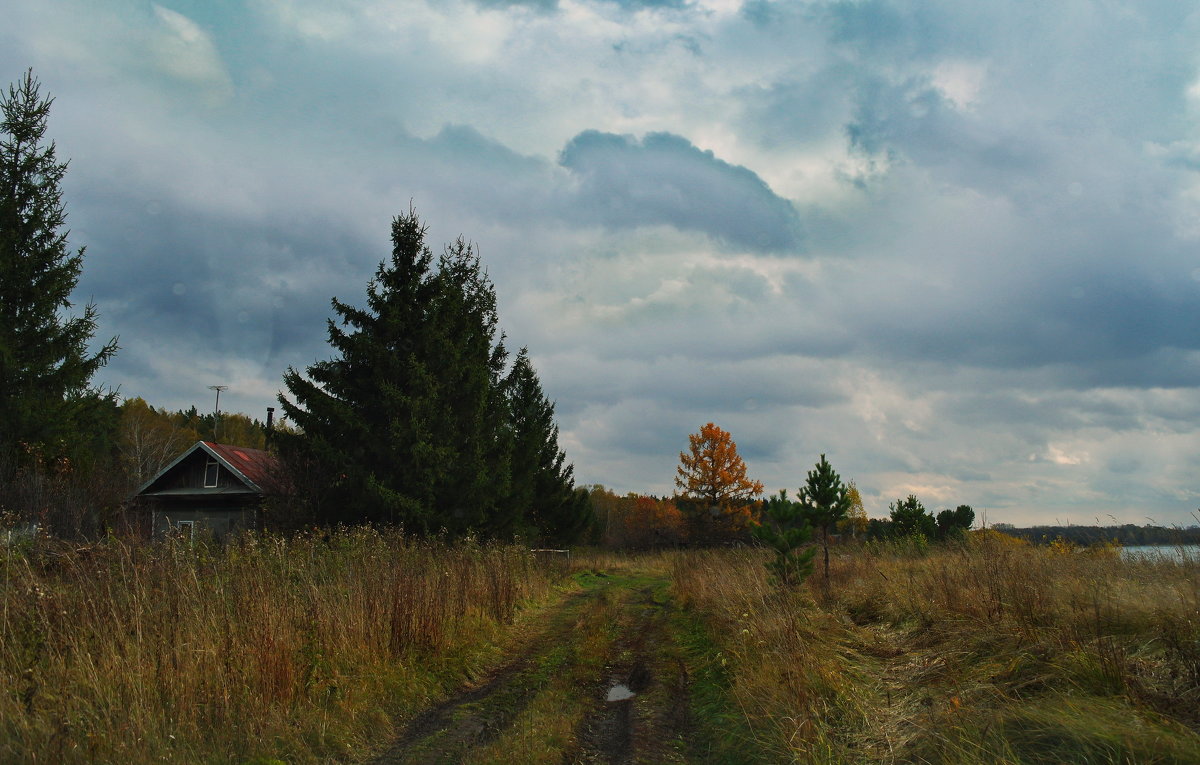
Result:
<point x="217" y="407"/>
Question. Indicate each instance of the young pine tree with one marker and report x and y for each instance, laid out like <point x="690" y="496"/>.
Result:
<point x="910" y="519"/>
<point x="785" y="530"/>
<point x="46" y="398"/>
<point x="826" y="502"/>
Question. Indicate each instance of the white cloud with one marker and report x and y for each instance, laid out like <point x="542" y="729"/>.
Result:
<point x="325" y="22"/>
<point x="960" y="81"/>
<point x="1058" y="456"/>
<point x="186" y="52"/>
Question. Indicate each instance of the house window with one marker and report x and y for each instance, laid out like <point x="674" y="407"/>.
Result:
<point x="186" y="529"/>
<point x="211" y="469"/>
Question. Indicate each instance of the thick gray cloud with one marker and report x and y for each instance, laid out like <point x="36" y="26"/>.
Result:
<point x="664" y="179"/>
<point x="954" y="247"/>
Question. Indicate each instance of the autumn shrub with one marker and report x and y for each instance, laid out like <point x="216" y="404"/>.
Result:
<point x="300" y="648"/>
<point x="637" y="522"/>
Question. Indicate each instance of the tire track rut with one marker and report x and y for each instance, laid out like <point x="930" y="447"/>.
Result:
<point x="651" y="724"/>
<point x="475" y="716"/>
<point x="614" y="635"/>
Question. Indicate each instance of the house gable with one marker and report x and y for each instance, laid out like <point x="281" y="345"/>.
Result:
<point x="209" y="469"/>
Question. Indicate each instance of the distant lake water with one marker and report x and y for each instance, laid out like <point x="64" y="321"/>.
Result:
<point x="1164" y="552"/>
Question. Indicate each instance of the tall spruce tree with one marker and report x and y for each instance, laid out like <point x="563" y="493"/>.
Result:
<point x="406" y="424"/>
<point x="47" y="401"/>
<point x="469" y="358"/>
<point x="543" y="500"/>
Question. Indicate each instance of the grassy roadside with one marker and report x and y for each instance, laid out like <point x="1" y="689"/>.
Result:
<point x="723" y="731"/>
<point x="988" y="652"/>
<point x="322" y="649"/>
<point x="302" y="650"/>
<point x="690" y="712"/>
<point x="547" y="726"/>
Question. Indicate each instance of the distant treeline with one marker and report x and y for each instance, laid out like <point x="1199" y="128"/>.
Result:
<point x="1128" y="534"/>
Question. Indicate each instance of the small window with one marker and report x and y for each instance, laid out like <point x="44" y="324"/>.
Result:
<point x="212" y="469"/>
<point x="186" y="529"/>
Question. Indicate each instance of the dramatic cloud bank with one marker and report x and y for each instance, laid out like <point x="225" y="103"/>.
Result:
<point x="953" y="246"/>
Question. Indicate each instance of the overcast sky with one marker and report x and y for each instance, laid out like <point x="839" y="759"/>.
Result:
<point x="952" y="245"/>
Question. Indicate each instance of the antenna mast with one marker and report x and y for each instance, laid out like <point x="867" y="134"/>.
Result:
<point x="217" y="407"/>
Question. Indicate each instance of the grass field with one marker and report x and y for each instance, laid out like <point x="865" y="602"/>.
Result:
<point x="364" y="646"/>
<point x="983" y="652"/>
<point x="302" y="649"/>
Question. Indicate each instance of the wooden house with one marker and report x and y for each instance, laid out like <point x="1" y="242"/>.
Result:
<point x="214" y="488"/>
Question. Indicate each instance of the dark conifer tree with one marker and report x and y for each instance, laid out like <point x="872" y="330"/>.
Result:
<point x="468" y="362"/>
<point x="46" y="398"/>
<point x="909" y="518"/>
<point x="826" y="502"/>
<point x="543" y="499"/>
<point x="404" y="424"/>
<point x="785" y="529"/>
<point x="955" y="523"/>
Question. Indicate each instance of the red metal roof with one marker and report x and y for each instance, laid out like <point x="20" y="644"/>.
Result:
<point x="261" y="468"/>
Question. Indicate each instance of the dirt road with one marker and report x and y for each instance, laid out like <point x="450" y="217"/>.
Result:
<point x="604" y="678"/>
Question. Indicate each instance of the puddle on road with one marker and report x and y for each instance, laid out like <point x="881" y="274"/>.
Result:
<point x="620" y="692"/>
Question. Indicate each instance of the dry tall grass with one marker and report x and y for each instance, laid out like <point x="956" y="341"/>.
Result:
<point x="989" y="651"/>
<point x="301" y="649"/>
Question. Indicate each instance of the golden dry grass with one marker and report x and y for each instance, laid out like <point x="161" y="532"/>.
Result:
<point x="309" y="649"/>
<point x="303" y="649"/>
<point x="987" y="651"/>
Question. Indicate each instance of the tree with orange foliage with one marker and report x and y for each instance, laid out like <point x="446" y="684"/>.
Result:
<point x="713" y="478"/>
<point x="636" y="521"/>
<point x="653" y="523"/>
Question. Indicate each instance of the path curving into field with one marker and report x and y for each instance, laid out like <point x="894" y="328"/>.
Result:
<point x="604" y="678"/>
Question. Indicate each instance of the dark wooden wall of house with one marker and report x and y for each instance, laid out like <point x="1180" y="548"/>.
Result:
<point x="189" y="474"/>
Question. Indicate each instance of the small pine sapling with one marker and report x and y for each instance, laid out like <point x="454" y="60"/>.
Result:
<point x="910" y="519"/>
<point x="825" y="501"/>
<point x="785" y="531"/>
